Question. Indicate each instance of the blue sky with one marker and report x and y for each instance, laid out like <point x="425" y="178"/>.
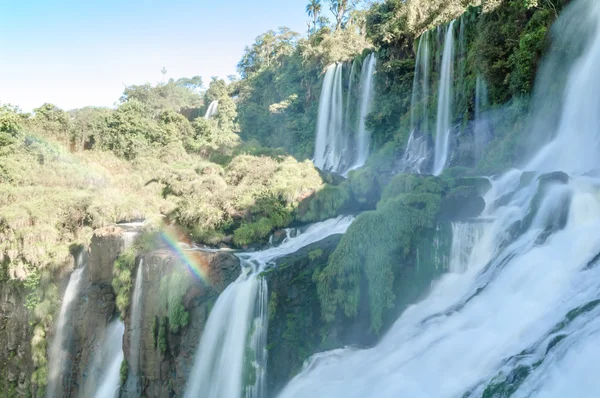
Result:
<point x="77" y="53"/>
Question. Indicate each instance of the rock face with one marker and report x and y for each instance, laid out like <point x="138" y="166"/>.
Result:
<point x="166" y="347"/>
<point x="95" y="306"/>
<point x="294" y="311"/>
<point x="16" y="365"/>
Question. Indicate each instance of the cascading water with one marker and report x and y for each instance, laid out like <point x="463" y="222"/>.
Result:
<point x="330" y="138"/>
<point x="366" y="98"/>
<point x="522" y="319"/>
<point x="444" y="109"/>
<point x="59" y="361"/>
<point x="415" y="155"/>
<point x="464" y="237"/>
<point x="103" y="378"/>
<point x="417" y="149"/>
<point x="337" y="148"/>
<point x="233" y="342"/>
<point x="212" y="109"/>
<point x="481" y="124"/>
<point x="132" y="385"/>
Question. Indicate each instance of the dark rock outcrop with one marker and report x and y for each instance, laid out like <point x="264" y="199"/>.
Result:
<point x="166" y="349"/>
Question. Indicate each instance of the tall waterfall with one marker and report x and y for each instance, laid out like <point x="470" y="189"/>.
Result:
<point x="523" y="318"/>
<point x="366" y="98"/>
<point x="444" y="109"/>
<point x="103" y="379"/>
<point x="329" y="149"/>
<point x="238" y="323"/>
<point x="212" y="109"/>
<point x="59" y="361"/>
<point x="133" y="383"/>
<point x="342" y="140"/>
<point x="481" y="125"/>
<point x="417" y="149"/>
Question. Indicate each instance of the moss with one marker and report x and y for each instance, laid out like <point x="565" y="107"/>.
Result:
<point x="315" y="254"/>
<point x="123" y="372"/>
<point x="162" y="334"/>
<point x="122" y="282"/>
<point x="328" y="202"/>
<point x="272" y="309"/>
<point x="374" y="248"/>
<point x="172" y="289"/>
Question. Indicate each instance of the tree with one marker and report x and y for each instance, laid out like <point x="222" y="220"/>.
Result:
<point x="268" y="50"/>
<point x="340" y="10"/>
<point x="313" y="9"/>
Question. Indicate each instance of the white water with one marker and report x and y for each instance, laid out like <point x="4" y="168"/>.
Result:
<point x="444" y="109"/>
<point x="419" y="104"/>
<point x="363" y="138"/>
<point x="505" y="309"/>
<point x="59" y="361"/>
<point x="415" y="155"/>
<point x="103" y="377"/>
<point x="212" y="109"/>
<point x="220" y="361"/>
<point x="133" y="382"/>
<point x="330" y="138"/>
<point x="482" y="125"/>
<point x="337" y="148"/>
<point x="464" y="237"/>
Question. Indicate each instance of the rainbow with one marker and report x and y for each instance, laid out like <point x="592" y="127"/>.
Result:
<point x="190" y="258"/>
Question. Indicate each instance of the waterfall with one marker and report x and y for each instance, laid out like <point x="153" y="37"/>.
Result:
<point x="59" y="362"/>
<point x="522" y="319"/>
<point x="212" y="109"/>
<point x="444" y="110"/>
<point x="336" y="148"/>
<point x="417" y="149"/>
<point x="237" y="324"/>
<point x="415" y="155"/>
<point x="133" y="377"/>
<point x="366" y="98"/>
<point x="329" y="146"/>
<point x="464" y="237"/>
<point x="103" y="378"/>
<point x="481" y="125"/>
<point x="419" y="103"/>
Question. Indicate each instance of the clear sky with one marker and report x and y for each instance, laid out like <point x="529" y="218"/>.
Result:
<point x="75" y="53"/>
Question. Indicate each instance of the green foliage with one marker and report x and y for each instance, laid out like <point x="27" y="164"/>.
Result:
<point x="173" y="288"/>
<point x="123" y="372"/>
<point x="326" y="203"/>
<point x="122" y="282"/>
<point x="272" y="309"/>
<point x="374" y="248"/>
<point x="163" y="328"/>
<point x="315" y="254"/>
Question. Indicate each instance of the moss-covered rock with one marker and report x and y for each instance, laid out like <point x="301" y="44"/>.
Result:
<point x="295" y="322"/>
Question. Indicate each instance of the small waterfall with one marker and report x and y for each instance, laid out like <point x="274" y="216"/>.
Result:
<point x="464" y="237"/>
<point x="419" y="104"/>
<point x="415" y="155"/>
<point x="366" y="98"/>
<point x="348" y="119"/>
<point x="444" y="110"/>
<point x="212" y="109"/>
<point x="133" y="381"/>
<point x="233" y="341"/>
<point x="481" y="127"/>
<point x="59" y="362"/>
<point x="103" y="380"/>
<point x="329" y="144"/>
